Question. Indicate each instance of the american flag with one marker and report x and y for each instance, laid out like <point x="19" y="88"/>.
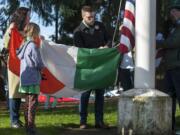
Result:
<point x="127" y="39"/>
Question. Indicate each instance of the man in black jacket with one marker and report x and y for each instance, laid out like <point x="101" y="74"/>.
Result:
<point x="91" y="34"/>
<point x="171" y="58"/>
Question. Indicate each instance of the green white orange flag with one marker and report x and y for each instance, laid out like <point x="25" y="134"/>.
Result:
<point x="71" y="70"/>
<point x="15" y="42"/>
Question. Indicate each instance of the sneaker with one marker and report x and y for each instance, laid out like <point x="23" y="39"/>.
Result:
<point x="16" y="125"/>
<point x="102" y="126"/>
<point x="83" y="126"/>
<point x="21" y="123"/>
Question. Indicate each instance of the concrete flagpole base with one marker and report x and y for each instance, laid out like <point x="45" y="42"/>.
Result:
<point x="144" y="112"/>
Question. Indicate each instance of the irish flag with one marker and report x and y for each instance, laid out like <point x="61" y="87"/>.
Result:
<point x="70" y="70"/>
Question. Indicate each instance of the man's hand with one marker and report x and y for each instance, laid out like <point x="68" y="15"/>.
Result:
<point x="102" y="47"/>
<point x="106" y="46"/>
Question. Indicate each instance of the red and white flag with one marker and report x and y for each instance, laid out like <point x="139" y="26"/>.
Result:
<point x="127" y="39"/>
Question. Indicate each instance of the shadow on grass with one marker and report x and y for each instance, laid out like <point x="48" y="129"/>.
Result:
<point x="65" y="129"/>
<point x="10" y="131"/>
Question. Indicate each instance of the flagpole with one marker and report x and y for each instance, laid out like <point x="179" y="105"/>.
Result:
<point x="145" y="44"/>
<point x="117" y="20"/>
<point x="144" y="110"/>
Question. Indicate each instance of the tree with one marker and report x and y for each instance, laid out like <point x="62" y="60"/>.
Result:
<point x="107" y="10"/>
<point x="55" y="11"/>
<point x="6" y="9"/>
<point x="109" y="15"/>
<point x="65" y="14"/>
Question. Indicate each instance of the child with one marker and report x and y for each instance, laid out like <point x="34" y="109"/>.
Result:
<point x="30" y="76"/>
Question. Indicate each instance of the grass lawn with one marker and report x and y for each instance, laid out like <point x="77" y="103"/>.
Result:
<point x="64" y="120"/>
<point x="64" y="117"/>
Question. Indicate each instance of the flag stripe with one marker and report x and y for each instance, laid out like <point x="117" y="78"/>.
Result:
<point x="127" y="40"/>
<point x="52" y="54"/>
<point x="130" y="16"/>
<point x="126" y="33"/>
<point x="123" y="48"/>
<point x="80" y="69"/>
<point x="130" y="6"/>
<point x="96" y="64"/>
<point x="131" y="1"/>
<point x="128" y="23"/>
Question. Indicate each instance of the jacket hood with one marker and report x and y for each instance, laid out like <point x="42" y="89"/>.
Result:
<point x="20" y="52"/>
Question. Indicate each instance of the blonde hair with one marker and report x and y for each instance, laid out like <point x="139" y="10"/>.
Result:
<point x="32" y="30"/>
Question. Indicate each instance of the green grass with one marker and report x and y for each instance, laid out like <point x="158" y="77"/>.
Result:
<point x="55" y="122"/>
<point x="51" y="122"/>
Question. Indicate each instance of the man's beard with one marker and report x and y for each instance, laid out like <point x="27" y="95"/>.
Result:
<point x="90" y="23"/>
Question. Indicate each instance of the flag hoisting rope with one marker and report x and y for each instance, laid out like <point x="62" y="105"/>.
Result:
<point x="117" y="22"/>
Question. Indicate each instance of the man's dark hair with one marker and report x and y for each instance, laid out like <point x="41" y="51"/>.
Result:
<point x="87" y="9"/>
<point x="19" y="17"/>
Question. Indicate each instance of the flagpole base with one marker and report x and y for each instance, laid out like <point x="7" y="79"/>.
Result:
<point x="144" y="112"/>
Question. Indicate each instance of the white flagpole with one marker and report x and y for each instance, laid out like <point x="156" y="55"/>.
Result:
<point x="145" y="31"/>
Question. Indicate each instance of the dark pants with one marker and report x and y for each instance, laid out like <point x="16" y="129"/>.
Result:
<point x="30" y="110"/>
<point x="4" y="85"/>
<point x="99" y="106"/>
<point x="126" y="78"/>
<point x="7" y="99"/>
<point x="172" y="87"/>
<point x="14" y="106"/>
<point x="2" y="90"/>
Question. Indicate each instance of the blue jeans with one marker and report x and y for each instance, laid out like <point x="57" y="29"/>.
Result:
<point x="99" y="106"/>
<point x="14" y="107"/>
<point x="172" y="87"/>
